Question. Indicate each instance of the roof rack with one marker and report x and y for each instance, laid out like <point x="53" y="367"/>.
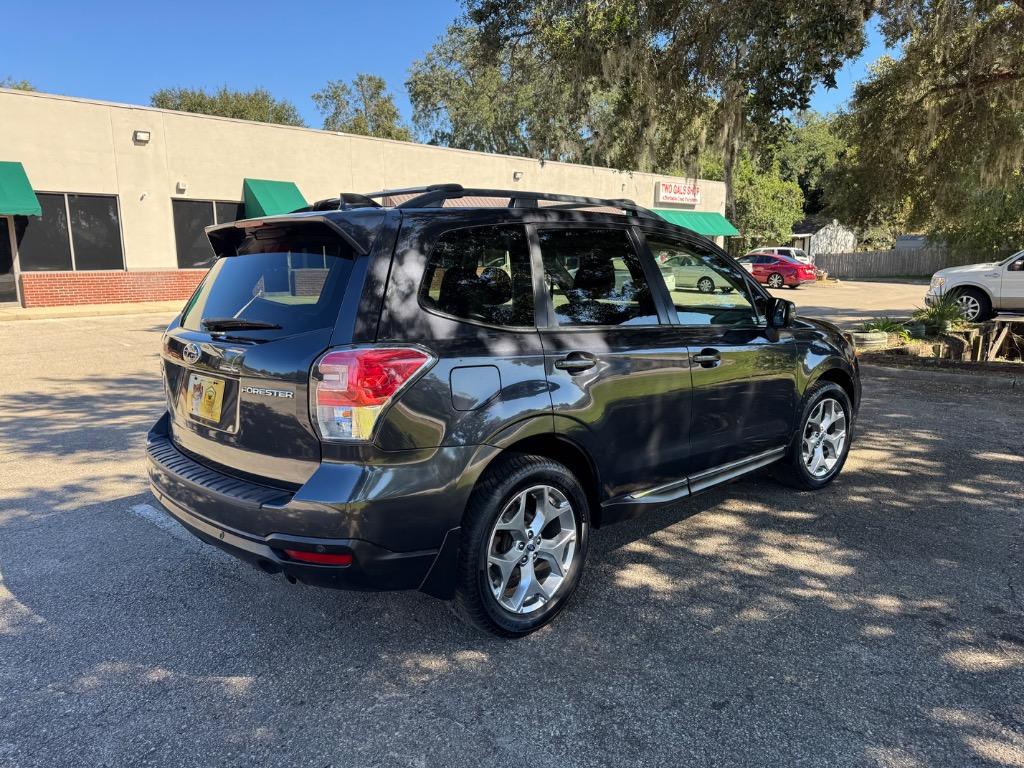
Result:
<point x="434" y="196"/>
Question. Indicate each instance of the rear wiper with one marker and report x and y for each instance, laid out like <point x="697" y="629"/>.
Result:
<point x="237" y="324"/>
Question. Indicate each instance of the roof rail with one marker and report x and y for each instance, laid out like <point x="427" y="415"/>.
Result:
<point x="434" y="196"/>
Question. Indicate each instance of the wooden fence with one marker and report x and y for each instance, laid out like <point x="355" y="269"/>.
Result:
<point x="921" y="262"/>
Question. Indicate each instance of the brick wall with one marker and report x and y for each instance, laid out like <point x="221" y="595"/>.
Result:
<point x="51" y="289"/>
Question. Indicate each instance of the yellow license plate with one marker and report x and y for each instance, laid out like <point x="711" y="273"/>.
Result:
<point x="205" y="397"/>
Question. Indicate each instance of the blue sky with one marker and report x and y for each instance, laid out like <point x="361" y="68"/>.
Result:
<point x="121" y="51"/>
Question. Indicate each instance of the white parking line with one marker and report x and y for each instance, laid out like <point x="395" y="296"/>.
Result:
<point x="165" y="522"/>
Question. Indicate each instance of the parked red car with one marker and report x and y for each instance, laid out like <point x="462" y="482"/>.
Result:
<point x="777" y="271"/>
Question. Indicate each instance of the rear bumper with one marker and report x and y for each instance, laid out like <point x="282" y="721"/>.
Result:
<point x="372" y="568"/>
<point x="332" y="513"/>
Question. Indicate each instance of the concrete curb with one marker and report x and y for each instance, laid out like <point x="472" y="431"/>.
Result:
<point x="19" y="314"/>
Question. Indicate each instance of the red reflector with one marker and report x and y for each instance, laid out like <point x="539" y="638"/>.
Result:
<point x="320" y="558"/>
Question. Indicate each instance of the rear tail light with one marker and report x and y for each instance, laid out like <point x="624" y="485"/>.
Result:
<point x="350" y="388"/>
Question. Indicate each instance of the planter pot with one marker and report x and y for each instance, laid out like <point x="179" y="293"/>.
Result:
<point x="916" y="330"/>
<point x="870" y="339"/>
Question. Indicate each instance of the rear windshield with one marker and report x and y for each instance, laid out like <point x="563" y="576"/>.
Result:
<point x="293" y="282"/>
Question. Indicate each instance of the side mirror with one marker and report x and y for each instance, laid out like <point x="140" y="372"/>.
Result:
<point x="781" y="313"/>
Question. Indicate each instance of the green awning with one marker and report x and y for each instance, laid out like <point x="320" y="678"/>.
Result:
<point x="705" y="223"/>
<point x="16" y="195"/>
<point x="271" y="198"/>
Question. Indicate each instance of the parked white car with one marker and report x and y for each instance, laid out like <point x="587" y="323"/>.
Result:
<point x="684" y="272"/>
<point x="782" y="250"/>
<point x="982" y="289"/>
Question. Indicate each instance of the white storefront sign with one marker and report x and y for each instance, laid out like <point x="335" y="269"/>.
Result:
<point x="681" y="192"/>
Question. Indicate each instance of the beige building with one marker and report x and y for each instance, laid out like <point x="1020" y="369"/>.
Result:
<point x="123" y="192"/>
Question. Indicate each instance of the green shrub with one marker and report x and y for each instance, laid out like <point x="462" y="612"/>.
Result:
<point x="883" y="324"/>
<point x="942" y="316"/>
<point x="886" y="325"/>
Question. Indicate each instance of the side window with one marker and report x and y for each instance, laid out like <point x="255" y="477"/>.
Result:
<point x="1016" y="266"/>
<point x="481" y="274"/>
<point x="594" y="277"/>
<point x="711" y="292"/>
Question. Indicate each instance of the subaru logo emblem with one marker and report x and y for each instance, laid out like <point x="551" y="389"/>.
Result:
<point x="190" y="353"/>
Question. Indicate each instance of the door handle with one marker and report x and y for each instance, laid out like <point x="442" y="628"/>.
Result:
<point x="576" y="362"/>
<point x="708" y="358"/>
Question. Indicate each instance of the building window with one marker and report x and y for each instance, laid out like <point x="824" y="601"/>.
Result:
<point x="191" y="217"/>
<point x="95" y="232"/>
<point x="80" y="232"/>
<point x="8" y="288"/>
<point x="43" y="243"/>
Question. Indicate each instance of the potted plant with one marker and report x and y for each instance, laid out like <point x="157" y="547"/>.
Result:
<point x="944" y="315"/>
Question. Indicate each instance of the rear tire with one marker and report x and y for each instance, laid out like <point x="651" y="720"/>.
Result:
<point x="816" y="456"/>
<point x="706" y="285"/>
<point x="511" y="579"/>
<point x="976" y="306"/>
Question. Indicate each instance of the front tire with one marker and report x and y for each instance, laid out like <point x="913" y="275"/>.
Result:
<point x="975" y="305"/>
<point x="775" y="280"/>
<point x="818" y="450"/>
<point x="706" y="285"/>
<point x="513" y="576"/>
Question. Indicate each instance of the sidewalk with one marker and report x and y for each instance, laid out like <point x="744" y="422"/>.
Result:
<point x="14" y="313"/>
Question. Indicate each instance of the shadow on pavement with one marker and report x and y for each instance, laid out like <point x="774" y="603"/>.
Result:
<point x="877" y="622"/>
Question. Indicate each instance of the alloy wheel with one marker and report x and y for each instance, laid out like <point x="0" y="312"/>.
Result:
<point x="824" y="438"/>
<point x="531" y="549"/>
<point x="706" y="285"/>
<point x="775" y="280"/>
<point x="969" y="306"/>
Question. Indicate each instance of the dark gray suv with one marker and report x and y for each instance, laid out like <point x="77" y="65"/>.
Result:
<point x="444" y="389"/>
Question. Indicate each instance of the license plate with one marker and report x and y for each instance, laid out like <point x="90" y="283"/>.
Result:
<point x="205" y="397"/>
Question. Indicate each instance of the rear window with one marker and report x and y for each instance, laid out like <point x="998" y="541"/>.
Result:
<point x="295" y="282"/>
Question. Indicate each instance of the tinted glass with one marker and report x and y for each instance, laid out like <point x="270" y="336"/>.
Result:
<point x="228" y="212"/>
<point x="43" y="243"/>
<point x="8" y="290"/>
<point x="296" y="281"/>
<point x="481" y="274"/>
<point x="711" y="291"/>
<point x="594" y="277"/>
<point x="190" y="219"/>
<point x="96" y="232"/>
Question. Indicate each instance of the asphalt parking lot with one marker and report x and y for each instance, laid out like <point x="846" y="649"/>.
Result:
<point x="877" y="623"/>
<point x="850" y="302"/>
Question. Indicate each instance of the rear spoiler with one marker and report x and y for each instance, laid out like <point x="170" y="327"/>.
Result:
<point x="225" y="238"/>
